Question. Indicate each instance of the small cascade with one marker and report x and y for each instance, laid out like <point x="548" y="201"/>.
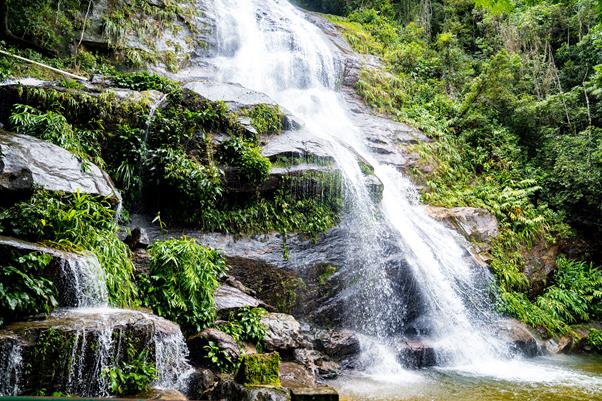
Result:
<point x="82" y="282"/>
<point x="151" y="116"/>
<point x="11" y="361"/>
<point x="171" y="354"/>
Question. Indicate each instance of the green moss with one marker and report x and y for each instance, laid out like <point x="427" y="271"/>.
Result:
<point x="259" y="370"/>
<point x="594" y="339"/>
<point x="327" y="272"/>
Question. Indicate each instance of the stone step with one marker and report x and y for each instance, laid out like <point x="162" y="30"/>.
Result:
<point x="321" y="393"/>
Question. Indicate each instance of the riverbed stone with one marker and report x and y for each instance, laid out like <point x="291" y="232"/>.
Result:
<point x="28" y="163"/>
<point x="230" y="390"/>
<point x="417" y="354"/>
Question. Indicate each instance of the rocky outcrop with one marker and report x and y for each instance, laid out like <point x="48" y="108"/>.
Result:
<point x="474" y="224"/>
<point x="238" y="98"/>
<point x="225" y="342"/>
<point x="67" y="351"/>
<point x="79" y="278"/>
<point x="294" y="375"/>
<point x="540" y="265"/>
<point x="416" y="354"/>
<point x="27" y="163"/>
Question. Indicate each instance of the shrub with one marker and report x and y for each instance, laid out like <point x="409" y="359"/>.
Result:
<point x="24" y="291"/>
<point x="142" y="81"/>
<point x="183" y="276"/>
<point x="245" y="325"/>
<point x="247" y="157"/>
<point x="131" y="376"/>
<point x="266" y="118"/>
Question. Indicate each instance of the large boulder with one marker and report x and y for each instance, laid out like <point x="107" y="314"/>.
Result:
<point x="225" y="342"/>
<point x="296" y="375"/>
<point x="540" y="265"/>
<point x="337" y="344"/>
<point x="417" y="354"/>
<point x="519" y="336"/>
<point x="283" y="334"/>
<point x="28" y="163"/>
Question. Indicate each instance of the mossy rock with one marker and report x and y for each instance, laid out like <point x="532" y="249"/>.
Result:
<point x="259" y="370"/>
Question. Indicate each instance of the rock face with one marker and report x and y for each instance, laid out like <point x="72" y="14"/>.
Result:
<point x="223" y="341"/>
<point x="540" y="265"/>
<point x="296" y="375"/>
<point x="283" y="333"/>
<point x="27" y="163"/>
<point x="473" y="223"/>
<point x="517" y="334"/>
<point x="417" y="354"/>
<point x="237" y="97"/>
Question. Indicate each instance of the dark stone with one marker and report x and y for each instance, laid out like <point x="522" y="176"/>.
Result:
<point x="27" y="163"/>
<point x="417" y="354"/>
<point x="230" y="390"/>
<point x="321" y="393"/>
<point x="138" y="238"/>
<point x="223" y="341"/>
<point x="519" y="336"/>
<point x="199" y="382"/>
<point x="337" y="344"/>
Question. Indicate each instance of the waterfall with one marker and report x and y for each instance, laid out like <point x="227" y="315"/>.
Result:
<point x="82" y="282"/>
<point x="409" y="276"/>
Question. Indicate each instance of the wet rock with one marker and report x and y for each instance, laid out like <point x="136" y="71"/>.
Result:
<point x="27" y="163"/>
<point x="79" y="278"/>
<point x="299" y="146"/>
<point x="199" y="382"/>
<point x="337" y="344"/>
<point x="230" y="390"/>
<point x="296" y="375"/>
<point x="321" y="393"/>
<point x="137" y="238"/>
<point x="318" y="363"/>
<point x="283" y="334"/>
<point x="474" y="224"/>
<point x="230" y="299"/>
<point x="417" y="354"/>
<point x="521" y="338"/>
<point x="562" y="344"/>
<point x="223" y="341"/>
<point x="233" y="282"/>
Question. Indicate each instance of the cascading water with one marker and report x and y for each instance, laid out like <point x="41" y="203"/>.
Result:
<point x="94" y="338"/>
<point x="269" y="46"/>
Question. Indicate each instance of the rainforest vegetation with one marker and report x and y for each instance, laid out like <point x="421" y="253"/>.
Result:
<point x="508" y="92"/>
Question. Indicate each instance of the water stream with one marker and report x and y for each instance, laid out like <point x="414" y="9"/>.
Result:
<point x="271" y="47"/>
